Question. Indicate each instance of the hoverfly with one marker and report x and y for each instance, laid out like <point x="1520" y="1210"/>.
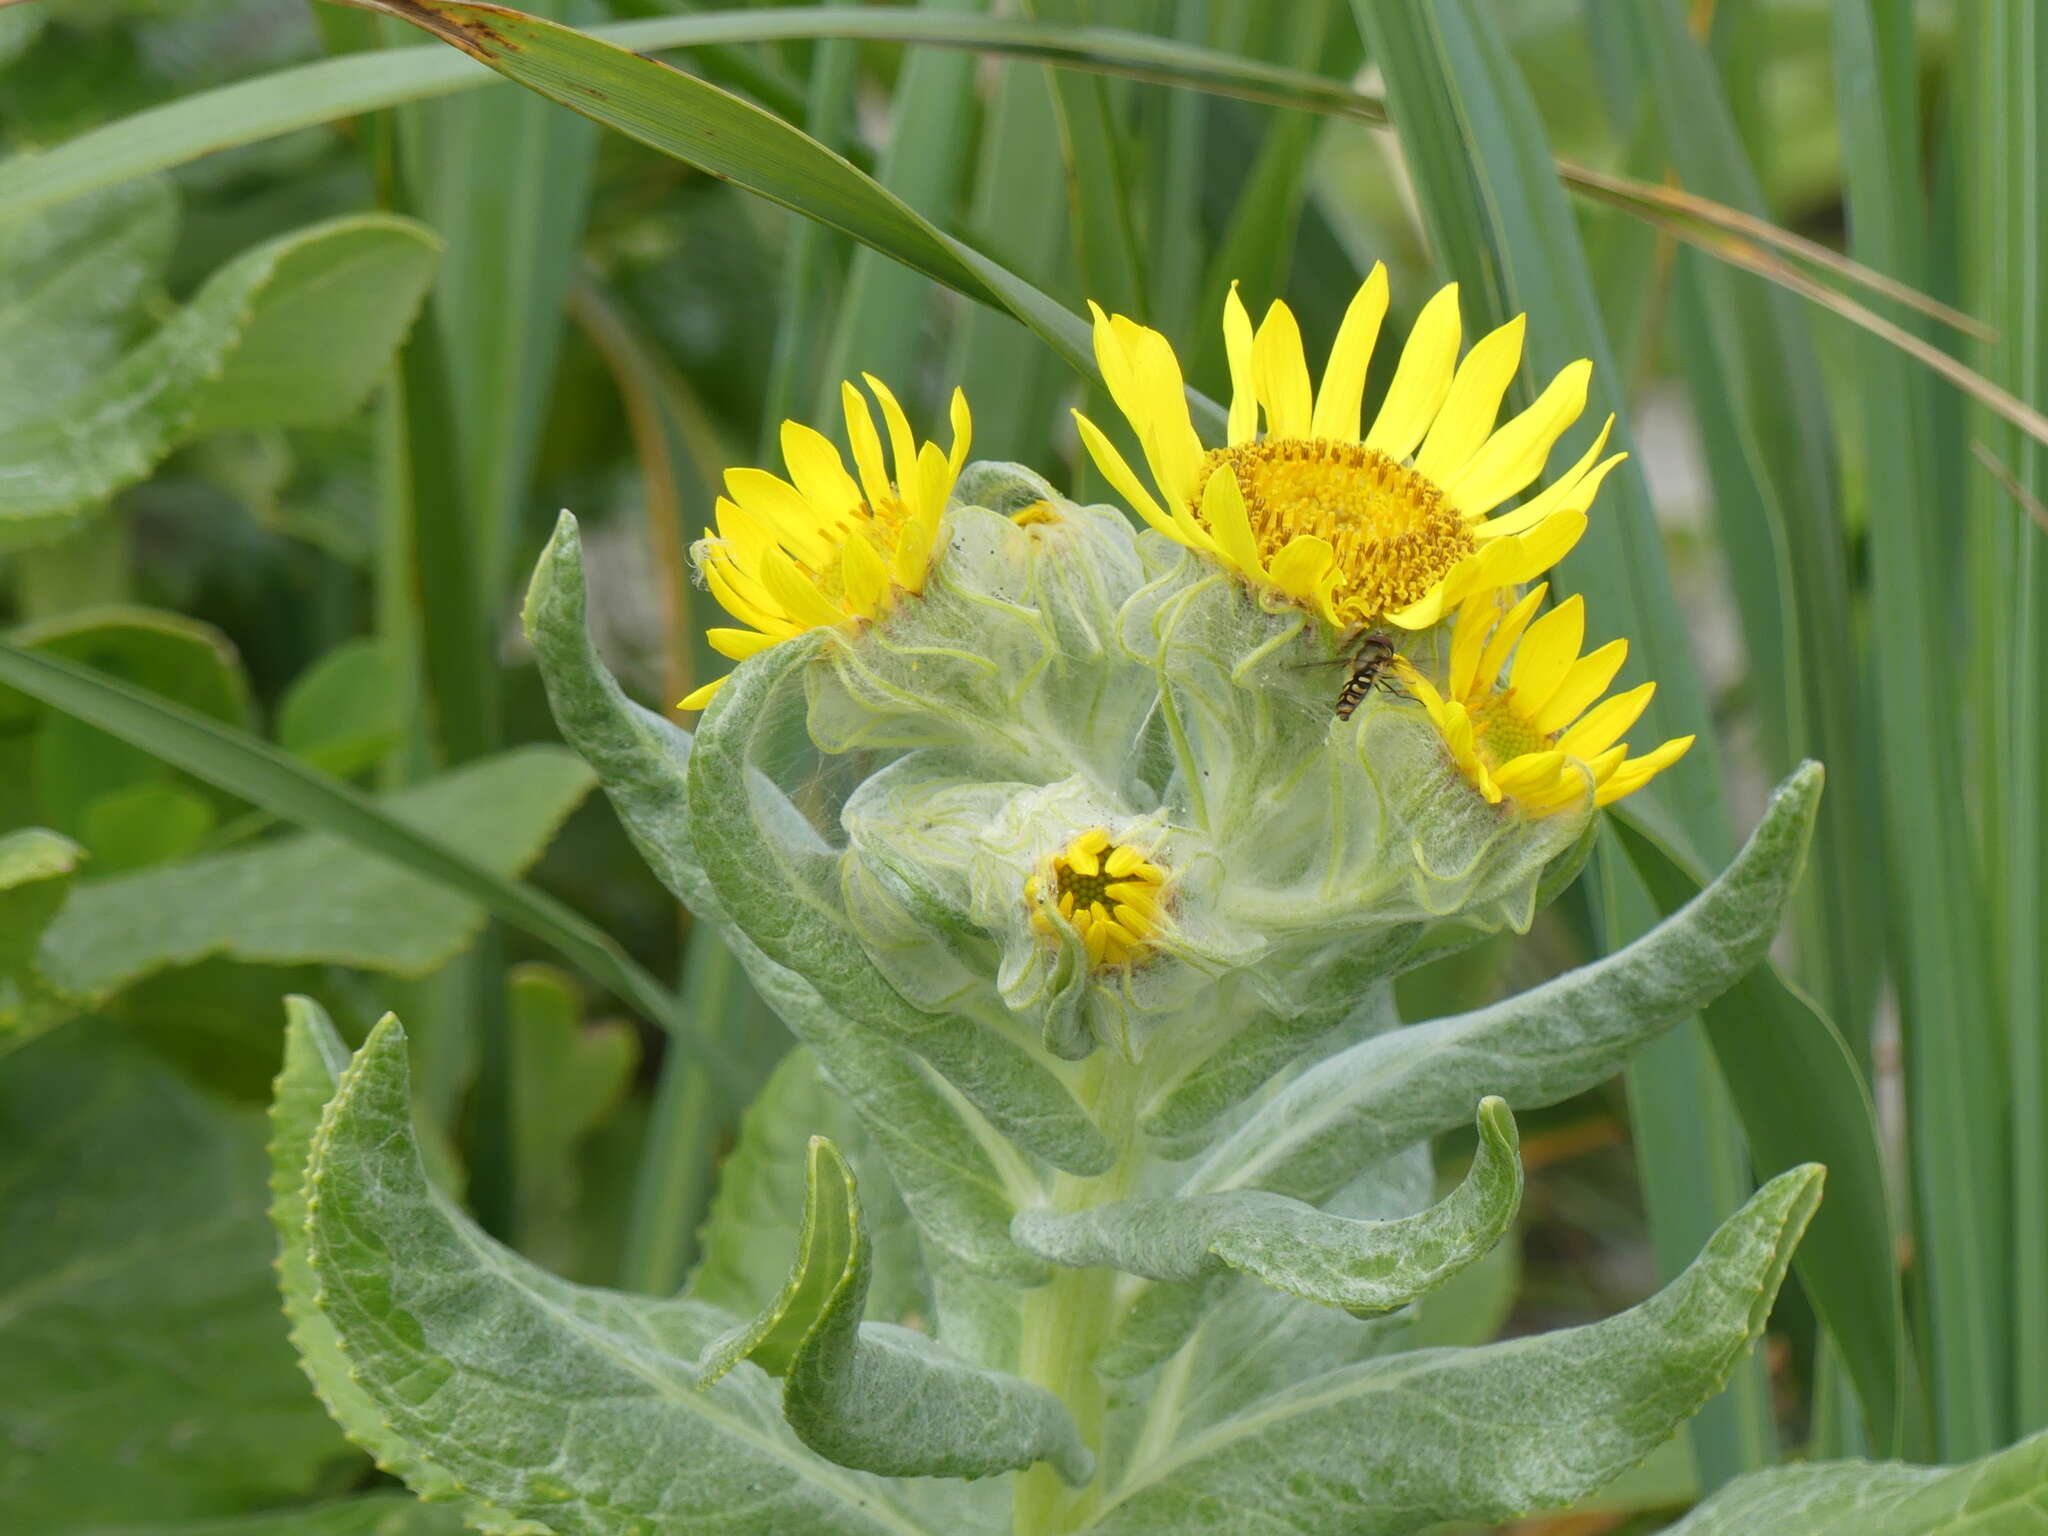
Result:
<point x="1372" y="666"/>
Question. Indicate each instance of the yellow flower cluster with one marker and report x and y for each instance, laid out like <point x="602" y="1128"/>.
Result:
<point x="1393" y="523"/>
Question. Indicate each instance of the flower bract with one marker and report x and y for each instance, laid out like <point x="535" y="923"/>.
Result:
<point x="1518" y="709"/>
<point x="826" y="546"/>
<point x="1391" y="523"/>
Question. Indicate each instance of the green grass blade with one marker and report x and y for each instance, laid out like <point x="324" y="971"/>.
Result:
<point x="252" y="769"/>
<point x="1100" y="185"/>
<point x="814" y="265"/>
<point x="1019" y="211"/>
<point x="1802" y="1098"/>
<point x="1956" y="1068"/>
<point x="1997" y="234"/>
<point x="881" y="315"/>
<point x="506" y="180"/>
<point x="1757" y="389"/>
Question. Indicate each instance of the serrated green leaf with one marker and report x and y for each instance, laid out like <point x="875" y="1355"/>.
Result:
<point x="147" y="1371"/>
<point x="36" y="866"/>
<point x="291" y="333"/>
<point x="1538" y="1421"/>
<point x="607" y="1431"/>
<point x="2003" y="1494"/>
<point x="945" y="1174"/>
<point x="316" y="898"/>
<point x="875" y="1396"/>
<point x="752" y="1227"/>
<point x="780" y="883"/>
<point x="1361" y="1266"/>
<point x="1535" y="1048"/>
<point x="314" y="1059"/>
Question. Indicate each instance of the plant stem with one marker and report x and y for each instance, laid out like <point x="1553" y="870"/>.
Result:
<point x="1066" y="1321"/>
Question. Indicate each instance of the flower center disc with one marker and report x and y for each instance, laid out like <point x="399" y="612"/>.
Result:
<point x="1393" y="532"/>
<point x="1502" y="735"/>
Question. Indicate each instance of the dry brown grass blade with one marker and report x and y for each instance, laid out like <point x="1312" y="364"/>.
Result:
<point x="2011" y="482"/>
<point x="1664" y="206"/>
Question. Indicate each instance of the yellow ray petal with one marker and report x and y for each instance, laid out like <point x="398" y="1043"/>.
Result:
<point x="902" y="441"/>
<point x="818" y="472"/>
<point x="1170" y="439"/>
<point x="1223" y="511"/>
<point x="1524" y="556"/>
<point x="784" y="513"/>
<point x="1546" y="653"/>
<point x="962" y="422"/>
<point x="1531" y="773"/>
<point x="1114" y="359"/>
<point x="1633" y="774"/>
<point x="1505" y="634"/>
<point x="1304" y="569"/>
<point x="1514" y="456"/>
<point x="739" y="644"/>
<point x="698" y="698"/>
<point x="862" y="576"/>
<point x="1122" y="860"/>
<point x="1123" y="479"/>
<point x="795" y="594"/>
<point x="743" y="601"/>
<point x="1469" y="408"/>
<point x="1564" y="489"/>
<point x="867" y="445"/>
<point x="1237" y="343"/>
<point x="1605" y="722"/>
<point x="1586" y="681"/>
<point x="1468" y="640"/>
<point x="741" y="531"/>
<point x="1343" y="387"/>
<point x="1422" y="378"/>
<point x="1280" y="374"/>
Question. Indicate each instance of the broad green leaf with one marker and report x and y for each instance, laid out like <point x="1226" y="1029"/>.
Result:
<point x="180" y="658"/>
<point x="568" y="1077"/>
<point x="147" y="1372"/>
<point x="341" y="713"/>
<point x="1362" y="1266"/>
<point x="607" y="1428"/>
<point x="875" y="1396"/>
<point x="1394" y="1445"/>
<point x="1535" y="1048"/>
<point x="316" y="898"/>
<point x="144" y="824"/>
<point x="946" y="1175"/>
<point x="2003" y="1494"/>
<point x="291" y="333"/>
<point x="314" y="1060"/>
<point x="71" y="282"/>
<point x="370" y="1514"/>
<point x="1801" y="1097"/>
<point x="780" y="883"/>
<point x="752" y="1227"/>
<point x="255" y="771"/>
<point x="36" y="866"/>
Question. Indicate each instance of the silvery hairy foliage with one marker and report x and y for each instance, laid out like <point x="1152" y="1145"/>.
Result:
<point x="1019" y="1240"/>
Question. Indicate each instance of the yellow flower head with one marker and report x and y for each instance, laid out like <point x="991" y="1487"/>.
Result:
<point x="1520" y="739"/>
<point x="1387" y="527"/>
<point x="822" y="547"/>
<point x="1110" y="892"/>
